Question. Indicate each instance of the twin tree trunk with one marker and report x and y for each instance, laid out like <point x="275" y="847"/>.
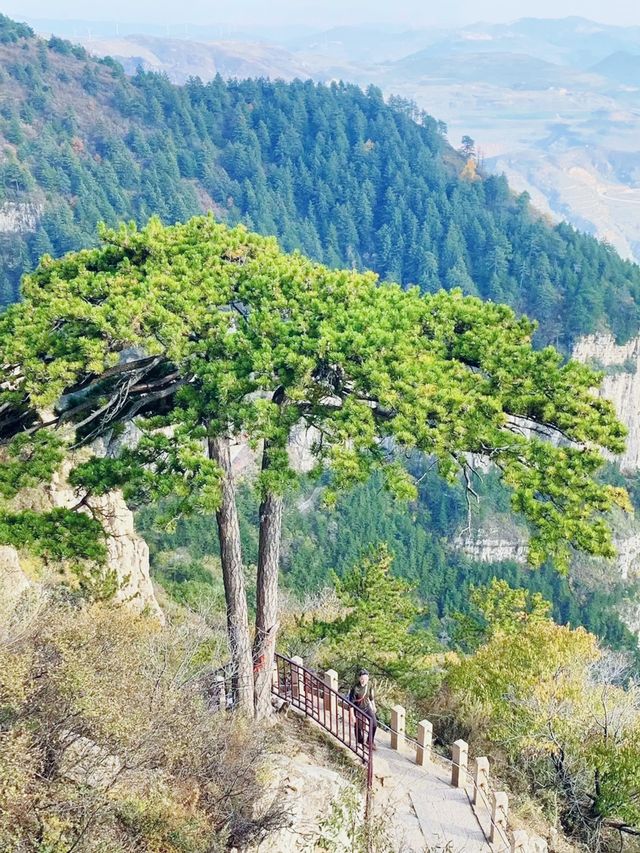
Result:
<point x="251" y="673"/>
<point x="233" y="578"/>
<point x="264" y="644"/>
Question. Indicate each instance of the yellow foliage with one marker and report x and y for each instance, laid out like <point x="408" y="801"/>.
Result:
<point x="156" y="769"/>
<point x="469" y="172"/>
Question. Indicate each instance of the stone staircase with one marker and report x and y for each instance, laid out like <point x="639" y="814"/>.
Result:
<point x="429" y="804"/>
<point x="426" y="812"/>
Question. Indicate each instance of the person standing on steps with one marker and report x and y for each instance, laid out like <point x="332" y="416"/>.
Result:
<point x="362" y="696"/>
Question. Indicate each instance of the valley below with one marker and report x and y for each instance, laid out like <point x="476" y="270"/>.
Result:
<point x="562" y="122"/>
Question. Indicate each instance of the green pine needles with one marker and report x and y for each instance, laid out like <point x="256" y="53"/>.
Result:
<point x="200" y="330"/>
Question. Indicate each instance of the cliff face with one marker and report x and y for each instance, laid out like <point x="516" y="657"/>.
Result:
<point x="19" y="217"/>
<point x="621" y="385"/>
<point x="494" y="541"/>
<point x="127" y="552"/>
<point x="498" y="539"/>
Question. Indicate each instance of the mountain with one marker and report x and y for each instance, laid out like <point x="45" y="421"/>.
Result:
<point x="186" y="58"/>
<point x="332" y="170"/>
<point x="515" y="70"/>
<point x="509" y="86"/>
<point x="622" y="67"/>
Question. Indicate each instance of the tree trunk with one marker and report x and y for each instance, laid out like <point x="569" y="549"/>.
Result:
<point x="264" y="646"/>
<point x="233" y="577"/>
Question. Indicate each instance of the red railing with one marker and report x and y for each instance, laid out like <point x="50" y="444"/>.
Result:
<point x="308" y="692"/>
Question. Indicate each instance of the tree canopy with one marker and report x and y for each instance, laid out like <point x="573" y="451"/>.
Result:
<point x="200" y="332"/>
<point x="219" y="318"/>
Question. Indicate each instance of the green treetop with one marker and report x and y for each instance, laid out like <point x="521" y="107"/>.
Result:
<point x="211" y="332"/>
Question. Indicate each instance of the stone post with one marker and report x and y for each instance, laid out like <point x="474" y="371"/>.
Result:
<point x="220" y="693"/>
<point x="330" y="704"/>
<point x="499" y="816"/>
<point x="425" y="737"/>
<point x="460" y="758"/>
<point x="397" y="726"/>
<point x="297" y="679"/>
<point x="520" y="841"/>
<point x="481" y="780"/>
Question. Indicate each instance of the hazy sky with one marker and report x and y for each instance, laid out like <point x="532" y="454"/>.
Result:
<point x="323" y="12"/>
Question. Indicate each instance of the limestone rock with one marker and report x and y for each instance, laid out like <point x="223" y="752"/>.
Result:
<point x="14" y="586"/>
<point x="244" y="459"/>
<point x="308" y="792"/>
<point x="13" y="581"/>
<point x="19" y="217"/>
<point x="526" y="843"/>
<point x="127" y="552"/>
<point x="621" y="385"/>
<point x="128" y="555"/>
<point x="494" y="541"/>
<point x="87" y="763"/>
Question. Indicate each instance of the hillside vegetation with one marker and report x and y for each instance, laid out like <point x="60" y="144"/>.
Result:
<point x="350" y="179"/>
<point x="202" y="333"/>
<point x="332" y="170"/>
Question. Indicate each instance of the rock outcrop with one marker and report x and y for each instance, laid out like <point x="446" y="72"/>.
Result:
<point x="14" y="587"/>
<point x="245" y="459"/>
<point x="621" y="363"/>
<point x="494" y="541"/>
<point x="13" y="581"/>
<point x="19" y="217"/>
<point x="87" y="763"/>
<point x="127" y="552"/>
<point x="314" y="797"/>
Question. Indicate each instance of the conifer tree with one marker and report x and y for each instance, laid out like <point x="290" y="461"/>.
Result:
<point x="211" y="332"/>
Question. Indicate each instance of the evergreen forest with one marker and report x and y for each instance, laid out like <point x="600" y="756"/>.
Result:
<point x="349" y="179"/>
<point x="334" y="171"/>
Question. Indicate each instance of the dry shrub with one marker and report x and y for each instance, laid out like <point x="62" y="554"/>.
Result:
<point x="106" y="743"/>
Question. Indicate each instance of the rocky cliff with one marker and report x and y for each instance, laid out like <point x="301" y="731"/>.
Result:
<point x="19" y="217"/>
<point x="127" y="552"/>
<point x="495" y="540"/>
<point x="621" y="364"/>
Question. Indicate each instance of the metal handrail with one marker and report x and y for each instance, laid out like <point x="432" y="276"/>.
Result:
<point x="308" y="692"/>
<point x="390" y="730"/>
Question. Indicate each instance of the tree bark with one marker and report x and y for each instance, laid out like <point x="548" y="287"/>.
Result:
<point x="264" y="646"/>
<point x="233" y="577"/>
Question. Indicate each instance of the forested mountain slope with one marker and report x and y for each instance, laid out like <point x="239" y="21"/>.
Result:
<point x="330" y="169"/>
<point x="334" y="171"/>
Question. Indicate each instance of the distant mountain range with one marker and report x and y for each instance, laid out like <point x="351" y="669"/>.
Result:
<point x="181" y="58"/>
<point x="555" y="104"/>
<point x="622" y="67"/>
